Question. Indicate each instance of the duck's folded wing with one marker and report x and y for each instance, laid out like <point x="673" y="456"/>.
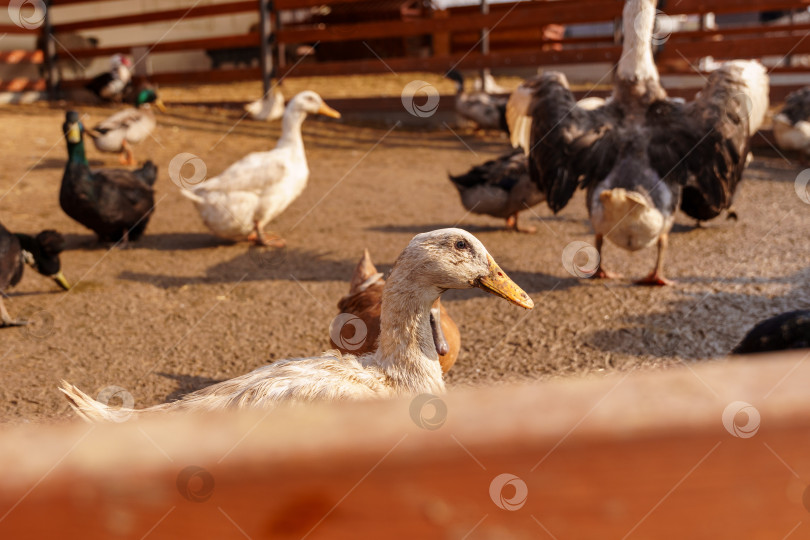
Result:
<point x="121" y="119"/>
<point x="326" y="377"/>
<point x="119" y="185"/>
<point x="254" y="172"/>
<point x="570" y="146"/>
<point x="503" y="172"/>
<point x="723" y="117"/>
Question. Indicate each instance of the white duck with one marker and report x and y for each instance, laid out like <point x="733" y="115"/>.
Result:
<point x="128" y="127"/>
<point x="405" y="362"/>
<point x="239" y="202"/>
<point x="268" y="108"/>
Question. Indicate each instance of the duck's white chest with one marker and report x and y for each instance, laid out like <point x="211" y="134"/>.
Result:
<point x="275" y="198"/>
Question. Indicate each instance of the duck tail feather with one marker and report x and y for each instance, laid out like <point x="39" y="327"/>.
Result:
<point x="91" y="410"/>
<point x="364" y="274"/>
<point x="191" y="196"/>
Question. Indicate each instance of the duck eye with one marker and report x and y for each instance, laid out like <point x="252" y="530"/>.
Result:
<point x="461" y="244"/>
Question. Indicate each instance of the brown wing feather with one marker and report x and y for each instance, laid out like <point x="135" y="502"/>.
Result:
<point x="722" y="117"/>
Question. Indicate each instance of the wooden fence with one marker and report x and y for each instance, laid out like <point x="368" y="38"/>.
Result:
<point x="341" y="37"/>
<point x="715" y="450"/>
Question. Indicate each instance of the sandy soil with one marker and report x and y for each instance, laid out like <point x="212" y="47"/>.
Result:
<point x="181" y="309"/>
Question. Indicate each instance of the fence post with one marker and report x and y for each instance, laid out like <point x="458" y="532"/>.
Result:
<point x="48" y="53"/>
<point x="484" y="46"/>
<point x="265" y="51"/>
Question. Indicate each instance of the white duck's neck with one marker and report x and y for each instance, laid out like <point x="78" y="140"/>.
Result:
<point x="636" y="71"/>
<point x="406" y="353"/>
<point x="291" y="130"/>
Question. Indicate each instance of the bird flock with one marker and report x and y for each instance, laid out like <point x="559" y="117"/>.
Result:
<point x="639" y="155"/>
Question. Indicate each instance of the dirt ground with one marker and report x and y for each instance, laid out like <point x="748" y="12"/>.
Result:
<point x="181" y="309"/>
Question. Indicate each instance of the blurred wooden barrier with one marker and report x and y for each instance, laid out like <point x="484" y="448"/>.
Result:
<point x="716" y="450"/>
<point x="14" y="57"/>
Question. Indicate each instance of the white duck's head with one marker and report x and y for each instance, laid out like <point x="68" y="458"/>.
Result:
<point x="455" y="259"/>
<point x="309" y="102"/>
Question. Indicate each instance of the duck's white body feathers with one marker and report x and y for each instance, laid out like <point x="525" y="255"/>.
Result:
<point x="130" y="125"/>
<point x="268" y="108"/>
<point x="255" y="189"/>
<point x="791" y="127"/>
<point x="260" y="186"/>
<point x="405" y="362"/>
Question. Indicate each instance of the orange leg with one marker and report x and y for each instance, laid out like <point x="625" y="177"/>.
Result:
<point x="601" y="273"/>
<point x="512" y="224"/>
<point x="261" y="239"/>
<point x="656" y="277"/>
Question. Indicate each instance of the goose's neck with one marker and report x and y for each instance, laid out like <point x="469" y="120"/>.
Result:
<point x="406" y="353"/>
<point x="291" y="130"/>
<point x="637" y="74"/>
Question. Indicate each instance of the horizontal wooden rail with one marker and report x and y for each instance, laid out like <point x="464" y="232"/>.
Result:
<point x="721" y="7"/>
<point x="14" y="29"/>
<point x="21" y="57"/>
<point x="532" y="14"/>
<point x="473" y="60"/>
<point x="681" y="7"/>
<point x="159" y="16"/>
<point x="189" y="77"/>
<point x="718" y="450"/>
<point x="22" y="85"/>
<point x="71" y="2"/>
<point x="736" y="48"/>
<point x="224" y="42"/>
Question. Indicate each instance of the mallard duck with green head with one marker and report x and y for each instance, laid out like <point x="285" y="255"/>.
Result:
<point x="128" y="127"/>
<point x="40" y="252"/>
<point x="116" y="204"/>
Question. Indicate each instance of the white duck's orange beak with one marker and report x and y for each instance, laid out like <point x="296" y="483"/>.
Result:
<point x="326" y="110"/>
<point x="499" y="284"/>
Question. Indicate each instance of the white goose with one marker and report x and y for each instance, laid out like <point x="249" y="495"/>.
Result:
<point x="405" y="362"/>
<point x="246" y="196"/>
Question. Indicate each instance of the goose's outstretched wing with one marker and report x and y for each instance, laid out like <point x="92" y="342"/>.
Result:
<point x="724" y="115"/>
<point x="569" y="145"/>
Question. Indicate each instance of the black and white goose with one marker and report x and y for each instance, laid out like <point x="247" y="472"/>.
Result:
<point x="640" y="155"/>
